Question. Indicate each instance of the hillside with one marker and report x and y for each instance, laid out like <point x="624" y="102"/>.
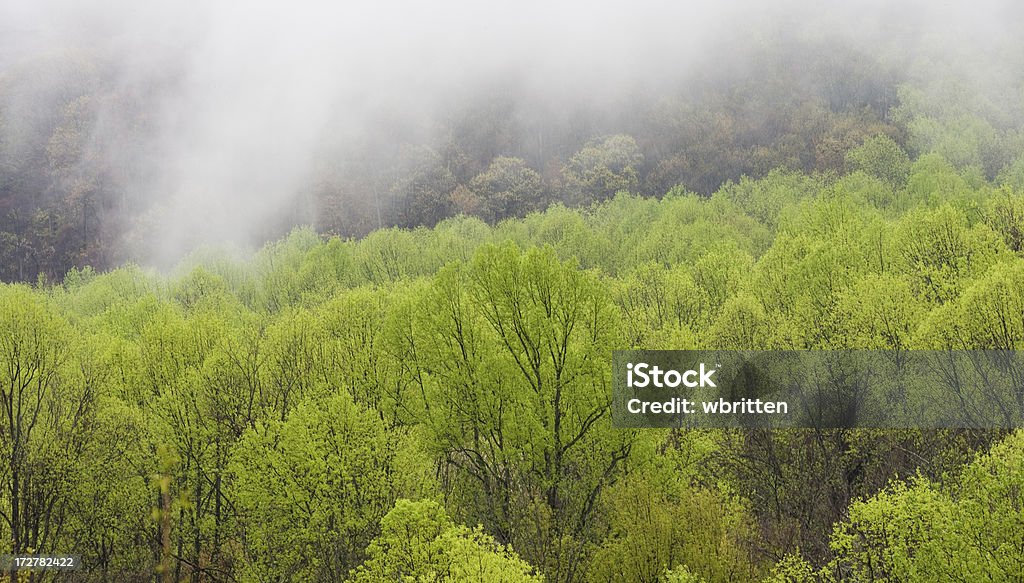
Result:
<point x="333" y="407"/>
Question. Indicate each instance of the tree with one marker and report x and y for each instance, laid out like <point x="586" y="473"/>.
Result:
<point x="660" y="307"/>
<point x="601" y="169"/>
<point x="311" y="490"/>
<point x="920" y="531"/>
<point x="418" y="542"/>
<point x="423" y="189"/>
<point x="508" y="188"/>
<point x="879" y="312"/>
<point x="939" y="250"/>
<point x="882" y="158"/>
<point x="46" y="411"/>
<point x="512" y="351"/>
<point x="1012" y="176"/>
<point x="109" y="520"/>
<point x="659" y="520"/>
<point x="1005" y="215"/>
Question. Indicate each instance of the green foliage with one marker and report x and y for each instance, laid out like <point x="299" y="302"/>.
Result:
<point x="939" y="250"/>
<point x="262" y="418"/>
<point x="794" y="569"/>
<point x="44" y="418"/>
<point x="882" y="158"/>
<point x="765" y="199"/>
<point x="918" y="531"/>
<point x="932" y="181"/>
<point x="987" y="315"/>
<point x="90" y="294"/>
<point x="111" y="487"/>
<point x="1012" y="176"/>
<point x="952" y="123"/>
<point x="601" y="169"/>
<point x="658" y="521"/>
<point x="681" y="574"/>
<point x="508" y="188"/>
<point x="880" y="312"/>
<point x="1005" y="215"/>
<point x="311" y="490"/>
<point x="419" y="543"/>
<point x="516" y="396"/>
<point x="660" y="307"/>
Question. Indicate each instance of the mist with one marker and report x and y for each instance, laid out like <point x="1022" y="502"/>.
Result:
<point x="227" y="117"/>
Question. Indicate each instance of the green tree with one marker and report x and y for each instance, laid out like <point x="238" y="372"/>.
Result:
<point x="1004" y="213"/>
<point x="311" y="490"/>
<point x="940" y="251"/>
<point x="882" y="158"/>
<point x="46" y="413"/>
<point x="508" y="188"/>
<point x="658" y="519"/>
<point x="660" y="307"/>
<point x="602" y="168"/>
<point x="512" y="349"/>
<point x="920" y="531"/>
<point x="1012" y="176"/>
<point x="419" y="543"/>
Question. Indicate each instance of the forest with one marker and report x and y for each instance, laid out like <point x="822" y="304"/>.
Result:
<point x="400" y="369"/>
<point x="83" y="163"/>
<point x="432" y="404"/>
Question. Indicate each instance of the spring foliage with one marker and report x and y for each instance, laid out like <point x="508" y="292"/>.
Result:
<point x="432" y="404"/>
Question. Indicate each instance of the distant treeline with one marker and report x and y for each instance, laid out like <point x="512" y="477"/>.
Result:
<point x="76" y="179"/>
<point x="432" y="404"/>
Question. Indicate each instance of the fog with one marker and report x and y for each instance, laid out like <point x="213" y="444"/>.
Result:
<point x="244" y="102"/>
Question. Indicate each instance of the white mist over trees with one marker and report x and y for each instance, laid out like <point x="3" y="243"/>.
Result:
<point x="138" y="132"/>
<point x="394" y="391"/>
